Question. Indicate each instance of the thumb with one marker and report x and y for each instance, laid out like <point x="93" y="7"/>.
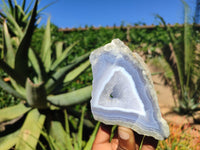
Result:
<point x="126" y="139"/>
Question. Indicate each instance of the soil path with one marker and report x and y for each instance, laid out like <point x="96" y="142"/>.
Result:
<point x="166" y="101"/>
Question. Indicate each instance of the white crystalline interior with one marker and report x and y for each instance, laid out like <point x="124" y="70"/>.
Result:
<point x="118" y="91"/>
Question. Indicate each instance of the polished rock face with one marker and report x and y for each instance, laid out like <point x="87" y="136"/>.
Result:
<point x="123" y="92"/>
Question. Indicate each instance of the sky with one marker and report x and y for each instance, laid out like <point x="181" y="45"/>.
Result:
<point x="79" y="13"/>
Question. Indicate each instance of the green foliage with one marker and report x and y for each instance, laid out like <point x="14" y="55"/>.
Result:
<point x="39" y="79"/>
<point x="183" y="136"/>
<point x="182" y="55"/>
<point x="61" y="138"/>
<point x="17" y="15"/>
<point x="49" y="70"/>
<point x="5" y="98"/>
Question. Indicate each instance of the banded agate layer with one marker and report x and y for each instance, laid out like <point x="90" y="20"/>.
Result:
<point x="123" y="92"/>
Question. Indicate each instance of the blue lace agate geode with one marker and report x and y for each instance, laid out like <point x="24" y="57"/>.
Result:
<point x="123" y="92"/>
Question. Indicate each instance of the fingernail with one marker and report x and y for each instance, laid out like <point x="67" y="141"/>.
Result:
<point x="123" y="134"/>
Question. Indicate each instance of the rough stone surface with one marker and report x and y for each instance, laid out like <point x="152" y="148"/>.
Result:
<point x="123" y="92"/>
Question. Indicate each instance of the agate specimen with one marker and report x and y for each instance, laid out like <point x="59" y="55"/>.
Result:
<point x="123" y="92"/>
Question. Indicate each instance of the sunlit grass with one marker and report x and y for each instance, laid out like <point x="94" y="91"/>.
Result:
<point x="182" y="137"/>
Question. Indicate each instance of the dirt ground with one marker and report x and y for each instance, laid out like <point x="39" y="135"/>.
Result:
<point x="166" y="102"/>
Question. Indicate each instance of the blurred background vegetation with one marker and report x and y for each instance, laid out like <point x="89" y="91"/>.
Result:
<point x="65" y="124"/>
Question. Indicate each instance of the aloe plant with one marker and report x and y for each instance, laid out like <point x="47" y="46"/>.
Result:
<point x="38" y="79"/>
<point x="60" y="137"/>
<point x="17" y="16"/>
<point x="182" y="55"/>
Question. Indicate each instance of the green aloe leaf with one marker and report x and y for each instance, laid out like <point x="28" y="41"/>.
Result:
<point x="29" y="6"/>
<point x="28" y="13"/>
<point x="188" y="46"/>
<point x="7" y="44"/>
<point x="50" y="141"/>
<point x="58" y="133"/>
<point x="13" y="24"/>
<point x="76" y="72"/>
<point x="37" y="65"/>
<point x="58" y="77"/>
<point x="46" y="47"/>
<point x="23" y="5"/>
<point x="21" y="60"/>
<point x="11" y="72"/>
<point x="6" y="87"/>
<point x="71" y="98"/>
<point x="12" y="28"/>
<point x="10" y="6"/>
<point x="80" y="128"/>
<point x="20" y="89"/>
<point x="16" y="14"/>
<point x="36" y="94"/>
<point x="92" y="138"/>
<point x="21" y="13"/>
<point x="168" y="29"/>
<point x="67" y="130"/>
<point x="74" y="139"/>
<point x="59" y="49"/>
<point x="81" y="58"/>
<point x="49" y="4"/>
<point x="8" y="141"/>
<point x="13" y="112"/>
<point x="63" y="56"/>
<point x="179" y="54"/>
<point x="30" y="131"/>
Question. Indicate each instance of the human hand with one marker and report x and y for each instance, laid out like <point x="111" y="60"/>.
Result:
<point x="124" y="139"/>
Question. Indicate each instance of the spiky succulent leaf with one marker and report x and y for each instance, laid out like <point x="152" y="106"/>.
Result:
<point x="10" y="6"/>
<point x="92" y="137"/>
<point x="67" y="130"/>
<point x="23" y="5"/>
<point x="8" y="141"/>
<point x="6" y="87"/>
<point x="36" y="94"/>
<point x="13" y="112"/>
<point x="49" y="4"/>
<point x="19" y="88"/>
<point x="7" y="45"/>
<point x="188" y="46"/>
<point x="37" y="66"/>
<point x="12" y="23"/>
<point x="58" y="77"/>
<point x="30" y="131"/>
<point x="11" y="72"/>
<point x="80" y="128"/>
<point x="28" y="7"/>
<point x="21" y="59"/>
<point x="76" y="72"/>
<point x="46" y="47"/>
<point x="63" y="56"/>
<point x="20" y="14"/>
<point x="178" y="51"/>
<point x="71" y="98"/>
<point x="59" y="135"/>
<point x="59" y="49"/>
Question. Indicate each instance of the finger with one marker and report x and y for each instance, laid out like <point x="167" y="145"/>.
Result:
<point x="126" y="139"/>
<point x="103" y="134"/>
<point x="115" y="141"/>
